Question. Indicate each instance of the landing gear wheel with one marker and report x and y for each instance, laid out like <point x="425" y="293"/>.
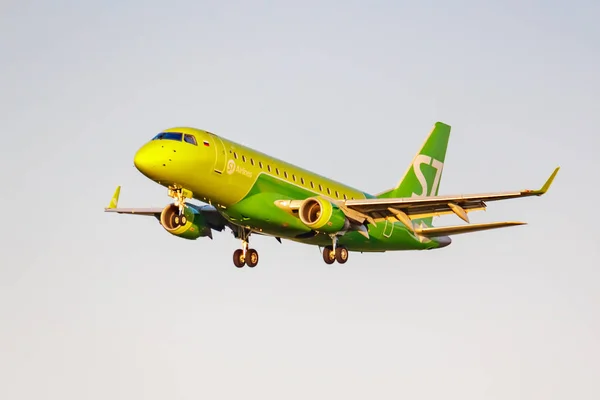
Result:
<point x="176" y="220"/>
<point x="251" y="258"/>
<point x="341" y="254"/>
<point x="238" y="258"/>
<point x="328" y="255"/>
<point x="183" y="220"/>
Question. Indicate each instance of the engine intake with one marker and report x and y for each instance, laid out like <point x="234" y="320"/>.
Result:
<point x="322" y="215"/>
<point x="191" y="225"/>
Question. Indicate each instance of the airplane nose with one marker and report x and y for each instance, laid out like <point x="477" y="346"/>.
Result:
<point x="143" y="160"/>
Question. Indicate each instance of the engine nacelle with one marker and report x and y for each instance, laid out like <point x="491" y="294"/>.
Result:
<point x="191" y="225"/>
<point x="322" y="215"/>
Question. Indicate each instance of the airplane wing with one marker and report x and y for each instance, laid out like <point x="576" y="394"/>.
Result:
<point x="215" y="220"/>
<point x="112" y="207"/>
<point x="407" y="209"/>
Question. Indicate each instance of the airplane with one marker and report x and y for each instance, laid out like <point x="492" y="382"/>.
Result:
<point x="252" y="193"/>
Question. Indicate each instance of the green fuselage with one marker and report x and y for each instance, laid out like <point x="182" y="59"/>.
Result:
<point x="244" y="185"/>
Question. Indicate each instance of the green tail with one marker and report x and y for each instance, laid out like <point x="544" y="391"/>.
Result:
<point x="424" y="174"/>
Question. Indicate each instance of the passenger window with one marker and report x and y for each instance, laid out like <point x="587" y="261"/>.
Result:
<point x="190" y="139"/>
<point x="244" y="158"/>
<point x="294" y="177"/>
<point x="312" y="184"/>
<point x="320" y="188"/>
<point x="277" y="170"/>
<point x="251" y="161"/>
<point x="235" y="155"/>
<point x="260" y="164"/>
<point x="302" y="180"/>
<point x="285" y="174"/>
<point x="328" y="191"/>
<point x="269" y="168"/>
<point x="345" y="197"/>
<point x="337" y="194"/>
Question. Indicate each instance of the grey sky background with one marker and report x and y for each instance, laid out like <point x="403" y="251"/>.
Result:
<point x="97" y="306"/>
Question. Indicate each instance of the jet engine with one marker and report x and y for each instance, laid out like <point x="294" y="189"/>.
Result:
<point x="190" y="225"/>
<point x="322" y="215"/>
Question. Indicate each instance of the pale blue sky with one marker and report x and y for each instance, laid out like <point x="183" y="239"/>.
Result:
<point x="97" y="306"/>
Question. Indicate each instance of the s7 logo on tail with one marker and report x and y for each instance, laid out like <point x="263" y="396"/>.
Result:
<point x="438" y="165"/>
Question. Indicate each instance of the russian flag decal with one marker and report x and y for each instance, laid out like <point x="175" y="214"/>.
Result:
<point x="206" y="143"/>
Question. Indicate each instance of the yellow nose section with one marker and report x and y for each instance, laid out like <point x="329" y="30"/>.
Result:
<point x="143" y="160"/>
<point x="164" y="161"/>
<point x="152" y="159"/>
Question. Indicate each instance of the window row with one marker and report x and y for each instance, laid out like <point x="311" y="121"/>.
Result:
<point x="292" y="176"/>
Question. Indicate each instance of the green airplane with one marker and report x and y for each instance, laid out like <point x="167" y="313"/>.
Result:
<point x="250" y="192"/>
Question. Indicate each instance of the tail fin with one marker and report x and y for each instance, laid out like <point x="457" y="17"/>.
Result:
<point x="424" y="174"/>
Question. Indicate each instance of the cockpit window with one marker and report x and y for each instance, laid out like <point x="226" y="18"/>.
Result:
<point x="190" y="139"/>
<point x="169" y="136"/>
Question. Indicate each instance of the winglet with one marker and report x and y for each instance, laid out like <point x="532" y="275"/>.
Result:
<point x="115" y="198"/>
<point x="546" y="186"/>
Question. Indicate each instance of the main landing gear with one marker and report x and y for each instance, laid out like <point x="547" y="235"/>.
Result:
<point x="335" y="253"/>
<point x="245" y="256"/>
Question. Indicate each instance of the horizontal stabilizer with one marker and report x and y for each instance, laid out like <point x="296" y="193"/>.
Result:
<point x="456" y="230"/>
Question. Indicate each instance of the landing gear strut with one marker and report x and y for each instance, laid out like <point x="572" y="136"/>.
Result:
<point x="180" y="194"/>
<point x="245" y="255"/>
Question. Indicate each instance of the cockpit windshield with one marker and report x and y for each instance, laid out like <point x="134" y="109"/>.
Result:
<point x="190" y="139"/>
<point x="176" y="136"/>
<point x="169" y="136"/>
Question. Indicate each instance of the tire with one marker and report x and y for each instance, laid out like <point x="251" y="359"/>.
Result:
<point x="328" y="255"/>
<point x="251" y="258"/>
<point x="341" y="254"/>
<point x="238" y="258"/>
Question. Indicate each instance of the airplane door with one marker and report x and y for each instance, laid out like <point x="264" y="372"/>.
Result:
<point x="221" y="155"/>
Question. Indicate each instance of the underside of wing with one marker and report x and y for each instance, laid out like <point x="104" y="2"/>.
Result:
<point x="136" y="211"/>
<point x="456" y="230"/>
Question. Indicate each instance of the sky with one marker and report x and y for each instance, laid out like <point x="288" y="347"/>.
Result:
<point x="97" y="306"/>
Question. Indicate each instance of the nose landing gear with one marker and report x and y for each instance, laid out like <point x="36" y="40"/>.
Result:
<point x="180" y="195"/>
